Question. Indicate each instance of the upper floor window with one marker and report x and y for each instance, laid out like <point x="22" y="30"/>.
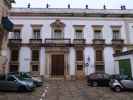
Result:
<point x="79" y="34"/>
<point x="16" y="34"/>
<point x="36" y="34"/>
<point x="36" y="31"/>
<point x="97" y="29"/>
<point x="58" y="34"/>
<point x="97" y="34"/>
<point x="116" y="34"/>
<point x="78" y="31"/>
<point x="57" y="29"/>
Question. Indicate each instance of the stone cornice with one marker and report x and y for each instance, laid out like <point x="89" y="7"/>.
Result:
<point x="73" y="12"/>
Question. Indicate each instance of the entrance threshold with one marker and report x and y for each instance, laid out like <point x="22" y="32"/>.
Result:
<point x="57" y="77"/>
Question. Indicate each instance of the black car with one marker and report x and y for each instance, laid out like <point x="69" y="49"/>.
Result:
<point x="118" y="77"/>
<point x="98" y="79"/>
<point x="27" y="76"/>
<point x="13" y="83"/>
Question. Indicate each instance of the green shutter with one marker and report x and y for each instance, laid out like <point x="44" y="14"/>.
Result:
<point x="125" y="67"/>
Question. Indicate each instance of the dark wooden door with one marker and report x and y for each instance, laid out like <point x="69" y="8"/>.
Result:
<point x="57" y="64"/>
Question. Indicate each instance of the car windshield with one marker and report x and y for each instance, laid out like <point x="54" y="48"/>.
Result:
<point x="12" y="78"/>
<point x="119" y="77"/>
<point x="123" y="77"/>
<point x="26" y="75"/>
<point x="96" y="75"/>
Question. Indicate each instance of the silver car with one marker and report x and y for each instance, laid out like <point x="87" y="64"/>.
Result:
<point x="121" y="84"/>
<point x="12" y="83"/>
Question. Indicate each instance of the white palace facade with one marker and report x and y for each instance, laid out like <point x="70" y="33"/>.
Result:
<point x="68" y="43"/>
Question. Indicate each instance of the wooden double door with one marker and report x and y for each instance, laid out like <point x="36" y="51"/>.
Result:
<point x="57" y="65"/>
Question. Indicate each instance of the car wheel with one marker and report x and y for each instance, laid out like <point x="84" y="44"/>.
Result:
<point x="117" y="89"/>
<point x="94" y="84"/>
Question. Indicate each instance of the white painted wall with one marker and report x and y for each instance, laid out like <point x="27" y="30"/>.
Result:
<point x="131" y="64"/>
<point x="130" y="30"/>
<point x="25" y="59"/>
<point x="109" y="60"/>
<point x="69" y="29"/>
<point x="69" y="33"/>
<point x="42" y="61"/>
<point x="71" y="61"/>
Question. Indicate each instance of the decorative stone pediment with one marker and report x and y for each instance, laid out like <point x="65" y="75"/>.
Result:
<point x="57" y="23"/>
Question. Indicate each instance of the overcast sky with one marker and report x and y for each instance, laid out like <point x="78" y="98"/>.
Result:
<point x="111" y="4"/>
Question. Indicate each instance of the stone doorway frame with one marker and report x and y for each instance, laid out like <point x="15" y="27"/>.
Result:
<point x="48" y="68"/>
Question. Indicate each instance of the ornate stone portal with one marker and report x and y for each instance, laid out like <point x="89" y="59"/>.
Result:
<point x="48" y="69"/>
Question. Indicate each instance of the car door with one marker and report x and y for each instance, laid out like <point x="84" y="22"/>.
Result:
<point x="3" y="84"/>
<point x="127" y="84"/>
<point x="100" y="79"/>
<point x="106" y="79"/>
<point x="11" y="83"/>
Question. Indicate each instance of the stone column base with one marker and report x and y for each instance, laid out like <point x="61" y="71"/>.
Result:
<point x="73" y="77"/>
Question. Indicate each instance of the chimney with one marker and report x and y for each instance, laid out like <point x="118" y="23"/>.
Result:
<point x="28" y="5"/>
<point x="86" y="6"/>
<point x="68" y="5"/>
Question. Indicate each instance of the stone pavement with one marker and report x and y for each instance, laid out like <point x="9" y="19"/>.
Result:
<point x="78" y="90"/>
<point x="35" y="95"/>
<point x="68" y="90"/>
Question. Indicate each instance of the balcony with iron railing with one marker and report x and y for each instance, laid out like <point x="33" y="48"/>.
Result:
<point x="57" y="41"/>
<point x="117" y="41"/>
<point x="35" y="41"/>
<point x="15" y="38"/>
<point x="79" y="41"/>
<point x="99" y="41"/>
<point x="15" y="41"/>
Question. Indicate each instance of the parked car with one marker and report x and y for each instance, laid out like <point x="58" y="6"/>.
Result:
<point x="118" y="77"/>
<point x="98" y="79"/>
<point x="27" y="76"/>
<point x="123" y="83"/>
<point x="13" y="83"/>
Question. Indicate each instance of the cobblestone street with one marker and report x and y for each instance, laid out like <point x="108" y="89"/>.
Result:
<point x="35" y="95"/>
<point x="78" y="90"/>
<point x="68" y="90"/>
